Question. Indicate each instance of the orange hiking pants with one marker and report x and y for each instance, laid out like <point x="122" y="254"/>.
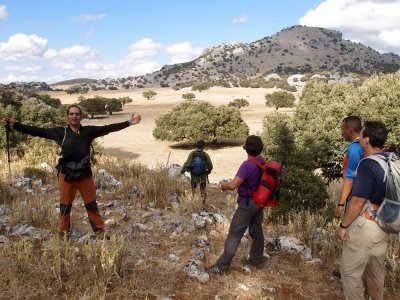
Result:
<point x="87" y="189"/>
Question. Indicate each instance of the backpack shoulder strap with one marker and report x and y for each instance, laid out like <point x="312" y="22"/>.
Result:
<point x="63" y="140"/>
<point x="255" y="160"/>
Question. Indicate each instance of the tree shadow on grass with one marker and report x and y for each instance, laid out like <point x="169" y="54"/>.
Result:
<point x="220" y="144"/>
<point x="118" y="152"/>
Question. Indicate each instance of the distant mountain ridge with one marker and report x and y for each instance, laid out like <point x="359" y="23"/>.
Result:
<point x="294" y="50"/>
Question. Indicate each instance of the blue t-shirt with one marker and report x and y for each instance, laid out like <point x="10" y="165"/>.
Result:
<point x="250" y="173"/>
<point x="354" y="155"/>
<point x="369" y="182"/>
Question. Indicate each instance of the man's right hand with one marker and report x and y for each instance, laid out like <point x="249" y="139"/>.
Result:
<point x="8" y="121"/>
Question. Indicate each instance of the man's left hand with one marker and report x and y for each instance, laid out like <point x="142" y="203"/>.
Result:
<point x="135" y="119"/>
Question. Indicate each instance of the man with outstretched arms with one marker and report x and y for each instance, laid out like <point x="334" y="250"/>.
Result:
<point x="74" y="170"/>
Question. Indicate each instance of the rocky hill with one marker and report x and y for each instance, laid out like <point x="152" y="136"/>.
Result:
<point x="297" y="49"/>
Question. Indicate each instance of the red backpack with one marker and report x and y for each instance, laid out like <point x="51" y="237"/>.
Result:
<point x="267" y="192"/>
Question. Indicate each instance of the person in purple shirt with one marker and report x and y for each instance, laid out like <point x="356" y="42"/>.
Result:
<point x="248" y="214"/>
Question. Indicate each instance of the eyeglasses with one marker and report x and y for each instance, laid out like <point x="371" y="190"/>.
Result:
<point x="74" y="113"/>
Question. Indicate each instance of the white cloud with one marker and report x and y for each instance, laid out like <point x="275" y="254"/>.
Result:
<point x="241" y="19"/>
<point x="3" y="12"/>
<point x="76" y="52"/>
<point x="183" y="52"/>
<point x="24" y="69"/>
<point x="143" y="49"/>
<point x="88" y="18"/>
<point x="63" y="65"/>
<point x="375" y="23"/>
<point x="22" y="47"/>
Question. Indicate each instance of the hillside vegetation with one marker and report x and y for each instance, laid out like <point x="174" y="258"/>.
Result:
<point x="152" y="215"/>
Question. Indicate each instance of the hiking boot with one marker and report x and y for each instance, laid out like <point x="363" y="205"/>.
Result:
<point x="217" y="270"/>
<point x="247" y="261"/>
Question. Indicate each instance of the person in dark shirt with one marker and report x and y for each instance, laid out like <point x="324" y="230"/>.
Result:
<point x="201" y="178"/>
<point x="74" y="171"/>
<point x="364" y="242"/>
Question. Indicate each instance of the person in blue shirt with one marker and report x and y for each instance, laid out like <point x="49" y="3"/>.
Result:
<point x="350" y="127"/>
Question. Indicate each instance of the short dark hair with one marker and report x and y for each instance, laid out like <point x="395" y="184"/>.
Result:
<point x="353" y="122"/>
<point x="377" y="133"/>
<point x="200" y="144"/>
<point x="74" y="105"/>
<point x="253" y="145"/>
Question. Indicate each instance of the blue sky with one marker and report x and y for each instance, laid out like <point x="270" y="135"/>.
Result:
<point x="54" y="40"/>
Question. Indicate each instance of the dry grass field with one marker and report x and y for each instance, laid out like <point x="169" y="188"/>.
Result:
<point x="137" y="143"/>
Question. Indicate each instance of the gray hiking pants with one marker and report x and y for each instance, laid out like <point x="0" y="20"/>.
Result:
<point x="251" y="216"/>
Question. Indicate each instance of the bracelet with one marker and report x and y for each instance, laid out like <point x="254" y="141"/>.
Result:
<point x="342" y="226"/>
<point x="340" y="204"/>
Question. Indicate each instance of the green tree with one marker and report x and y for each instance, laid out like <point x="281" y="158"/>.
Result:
<point x="322" y="107"/>
<point x="200" y="87"/>
<point x="301" y="188"/>
<point x="125" y="100"/>
<point x="239" y="103"/>
<point x="279" y="99"/>
<point x="77" y="89"/>
<point x="188" y="96"/>
<point x="150" y="94"/>
<point x="31" y="112"/>
<point x="195" y="120"/>
<point x="94" y="106"/>
<point x="113" y="105"/>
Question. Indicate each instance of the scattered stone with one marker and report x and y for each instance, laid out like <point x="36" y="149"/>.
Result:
<point x="105" y="180"/>
<point x="173" y="257"/>
<point x="288" y="244"/>
<point x="203" y="277"/>
<point x="45" y="166"/>
<point x="5" y="209"/>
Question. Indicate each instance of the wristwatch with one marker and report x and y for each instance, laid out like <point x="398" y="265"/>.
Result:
<point x="342" y="226"/>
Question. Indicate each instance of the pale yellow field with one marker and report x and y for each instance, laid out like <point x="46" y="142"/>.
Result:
<point x="138" y="143"/>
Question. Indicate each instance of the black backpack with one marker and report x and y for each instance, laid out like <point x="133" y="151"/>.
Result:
<point x="198" y="164"/>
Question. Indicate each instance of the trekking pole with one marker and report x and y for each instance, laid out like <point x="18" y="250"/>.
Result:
<point x="8" y="130"/>
<point x="168" y="159"/>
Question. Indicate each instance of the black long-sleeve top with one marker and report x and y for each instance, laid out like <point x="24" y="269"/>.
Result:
<point x="75" y="146"/>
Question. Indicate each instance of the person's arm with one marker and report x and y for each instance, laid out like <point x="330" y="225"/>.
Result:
<point x="231" y="185"/>
<point x="353" y="211"/>
<point x="186" y="165"/>
<point x="209" y="163"/>
<point x="347" y="187"/>
<point x="48" y="133"/>
<point x="106" y="129"/>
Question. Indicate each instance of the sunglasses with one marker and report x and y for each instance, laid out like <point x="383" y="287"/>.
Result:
<point x="74" y="113"/>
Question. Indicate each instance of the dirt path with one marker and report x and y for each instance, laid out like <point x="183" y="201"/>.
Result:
<point x="138" y="143"/>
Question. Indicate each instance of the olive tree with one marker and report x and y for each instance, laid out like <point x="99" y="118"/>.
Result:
<point x="112" y="105"/>
<point x="279" y="99"/>
<point x="322" y="107"/>
<point x="188" y="96"/>
<point x="301" y="188"/>
<point x="195" y="120"/>
<point x="94" y="106"/>
<point x="150" y="94"/>
<point x="239" y="103"/>
<point x="200" y="87"/>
